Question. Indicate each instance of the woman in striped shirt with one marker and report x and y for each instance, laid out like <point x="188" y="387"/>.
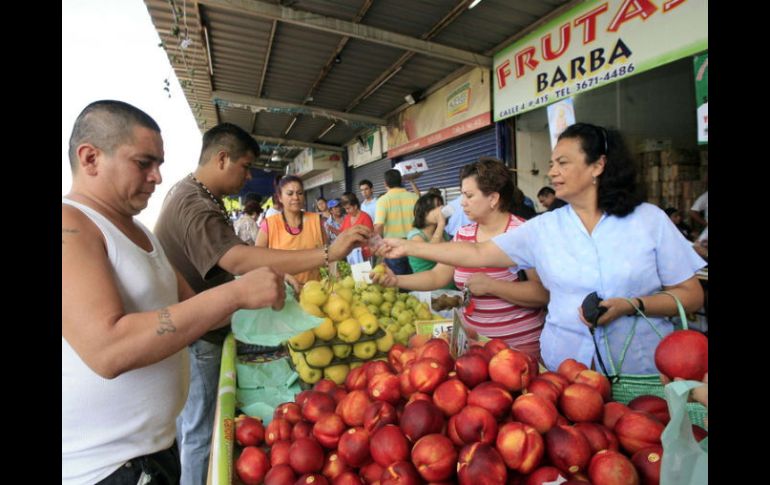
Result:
<point x="503" y="307"/>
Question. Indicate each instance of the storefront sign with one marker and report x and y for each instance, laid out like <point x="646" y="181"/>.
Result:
<point x="460" y="107"/>
<point x="594" y="44"/>
<point x="326" y="177"/>
<point x="702" y="96"/>
<point x="312" y="160"/>
<point x="370" y="150"/>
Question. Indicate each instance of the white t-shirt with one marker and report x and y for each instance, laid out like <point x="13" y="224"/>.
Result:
<point x="106" y="422"/>
<point x="702" y="205"/>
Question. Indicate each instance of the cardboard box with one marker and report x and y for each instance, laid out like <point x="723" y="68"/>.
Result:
<point x="411" y="169"/>
<point x="654" y="145"/>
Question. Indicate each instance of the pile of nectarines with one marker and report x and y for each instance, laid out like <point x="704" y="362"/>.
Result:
<point x="487" y="417"/>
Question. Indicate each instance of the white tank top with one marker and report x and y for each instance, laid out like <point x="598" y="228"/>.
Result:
<point x="106" y="422"/>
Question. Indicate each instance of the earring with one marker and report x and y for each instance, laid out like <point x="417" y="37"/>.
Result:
<point x="594" y="181"/>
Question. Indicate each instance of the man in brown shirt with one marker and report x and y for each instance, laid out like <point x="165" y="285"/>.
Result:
<point x="199" y="239"/>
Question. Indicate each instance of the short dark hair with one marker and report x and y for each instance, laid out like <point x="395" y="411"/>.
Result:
<point x="352" y="199"/>
<point x="545" y="190"/>
<point x="107" y="124"/>
<point x="618" y="193"/>
<point x="252" y="207"/>
<point x="492" y="176"/>
<point x="229" y="137"/>
<point x="423" y="206"/>
<point x="281" y="183"/>
<point x="252" y="196"/>
<point x="671" y="210"/>
<point x="320" y="198"/>
<point x="366" y="182"/>
<point x="392" y="178"/>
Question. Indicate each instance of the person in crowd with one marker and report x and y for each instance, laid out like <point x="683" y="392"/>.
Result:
<point x="457" y="216"/>
<point x="368" y="200"/>
<point x="274" y="205"/>
<point x="127" y="314"/>
<point x="520" y="207"/>
<point x="428" y="225"/>
<point x="503" y="306"/>
<point x="294" y="228"/>
<point x="395" y="212"/>
<point x="199" y="239"/>
<point x="355" y="216"/>
<point x="676" y="217"/>
<point x="246" y="225"/>
<point x="699" y="213"/>
<point x="547" y="198"/>
<point x="333" y="224"/>
<point x="575" y="252"/>
<point x="322" y="207"/>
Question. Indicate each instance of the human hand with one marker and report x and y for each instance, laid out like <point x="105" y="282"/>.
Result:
<point x="699" y="394"/>
<point x="347" y="240"/>
<point x="434" y="216"/>
<point x="293" y="282"/>
<point x="260" y="288"/>
<point x="616" y="307"/>
<point x="392" y="248"/>
<point x="479" y="284"/>
<point x="387" y="279"/>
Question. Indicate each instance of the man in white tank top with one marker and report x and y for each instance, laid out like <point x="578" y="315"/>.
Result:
<point x="127" y="315"/>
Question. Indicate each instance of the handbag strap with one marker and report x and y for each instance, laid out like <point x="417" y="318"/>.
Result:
<point x="629" y="337"/>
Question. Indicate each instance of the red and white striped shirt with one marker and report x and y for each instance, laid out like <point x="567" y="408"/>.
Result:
<point x="494" y="317"/>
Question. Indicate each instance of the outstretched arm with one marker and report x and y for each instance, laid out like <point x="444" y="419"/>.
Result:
<point x="471" y="255"/>
<point x="241" y="258"/>
<point x="112" y="341"/>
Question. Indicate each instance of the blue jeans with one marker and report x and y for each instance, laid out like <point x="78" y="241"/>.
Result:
<point x="196" y="423"/>
<point x="399" y="265"/>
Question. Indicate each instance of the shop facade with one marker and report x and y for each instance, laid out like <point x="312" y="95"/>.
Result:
<point x="622" y="67"/>
<point x="448" y="129"/>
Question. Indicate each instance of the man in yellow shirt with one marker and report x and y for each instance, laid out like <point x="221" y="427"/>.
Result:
<point x="394" y="216"/>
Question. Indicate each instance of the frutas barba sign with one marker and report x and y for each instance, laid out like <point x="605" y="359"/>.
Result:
<point x="594" y="44"/>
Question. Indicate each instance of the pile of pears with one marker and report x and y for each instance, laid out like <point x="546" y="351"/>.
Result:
<point x="361" y="322"/>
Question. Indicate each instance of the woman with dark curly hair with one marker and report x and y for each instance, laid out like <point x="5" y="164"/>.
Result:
<point x="605" y="240"/>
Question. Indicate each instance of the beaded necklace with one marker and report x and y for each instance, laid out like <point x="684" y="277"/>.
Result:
<point x="293" y="230"/>
<point x="216" y="201"/>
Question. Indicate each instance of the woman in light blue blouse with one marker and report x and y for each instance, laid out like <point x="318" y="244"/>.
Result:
<point x="605" y="240"/>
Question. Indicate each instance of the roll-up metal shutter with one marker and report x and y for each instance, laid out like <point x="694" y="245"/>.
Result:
<point x="445" y="161"/>
<point x="375" y="173"/>
<point x="310" y="197"/>
<point x="334" y="190"/>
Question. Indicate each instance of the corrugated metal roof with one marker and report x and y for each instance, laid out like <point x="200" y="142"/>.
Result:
<point x="296" y="60"/>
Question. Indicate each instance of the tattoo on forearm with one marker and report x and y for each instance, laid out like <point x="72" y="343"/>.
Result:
<point x="166" y="325"/>
<point x="65" y="230"/>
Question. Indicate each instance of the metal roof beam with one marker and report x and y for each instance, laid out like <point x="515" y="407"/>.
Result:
<point x="296" y="143"/>
<point x="341" y="27"/>
<point x="242" y="101"/>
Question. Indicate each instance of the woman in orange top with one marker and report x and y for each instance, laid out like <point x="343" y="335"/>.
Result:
<point x="293" y="228"/>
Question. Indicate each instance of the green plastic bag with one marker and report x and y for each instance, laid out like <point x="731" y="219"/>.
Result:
<point x="685" y="461"/>
<point x="263" y="386"/>
<point x="266" y="326"/>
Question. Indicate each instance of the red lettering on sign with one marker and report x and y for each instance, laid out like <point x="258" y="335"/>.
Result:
<point x="630" y="9"/>
<point x="671" y="4"/>
<point x="588" y="21"/>
<point x="525" y="57"/>
<point x="503" y="71"/>
<point x="547" y="43"/>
